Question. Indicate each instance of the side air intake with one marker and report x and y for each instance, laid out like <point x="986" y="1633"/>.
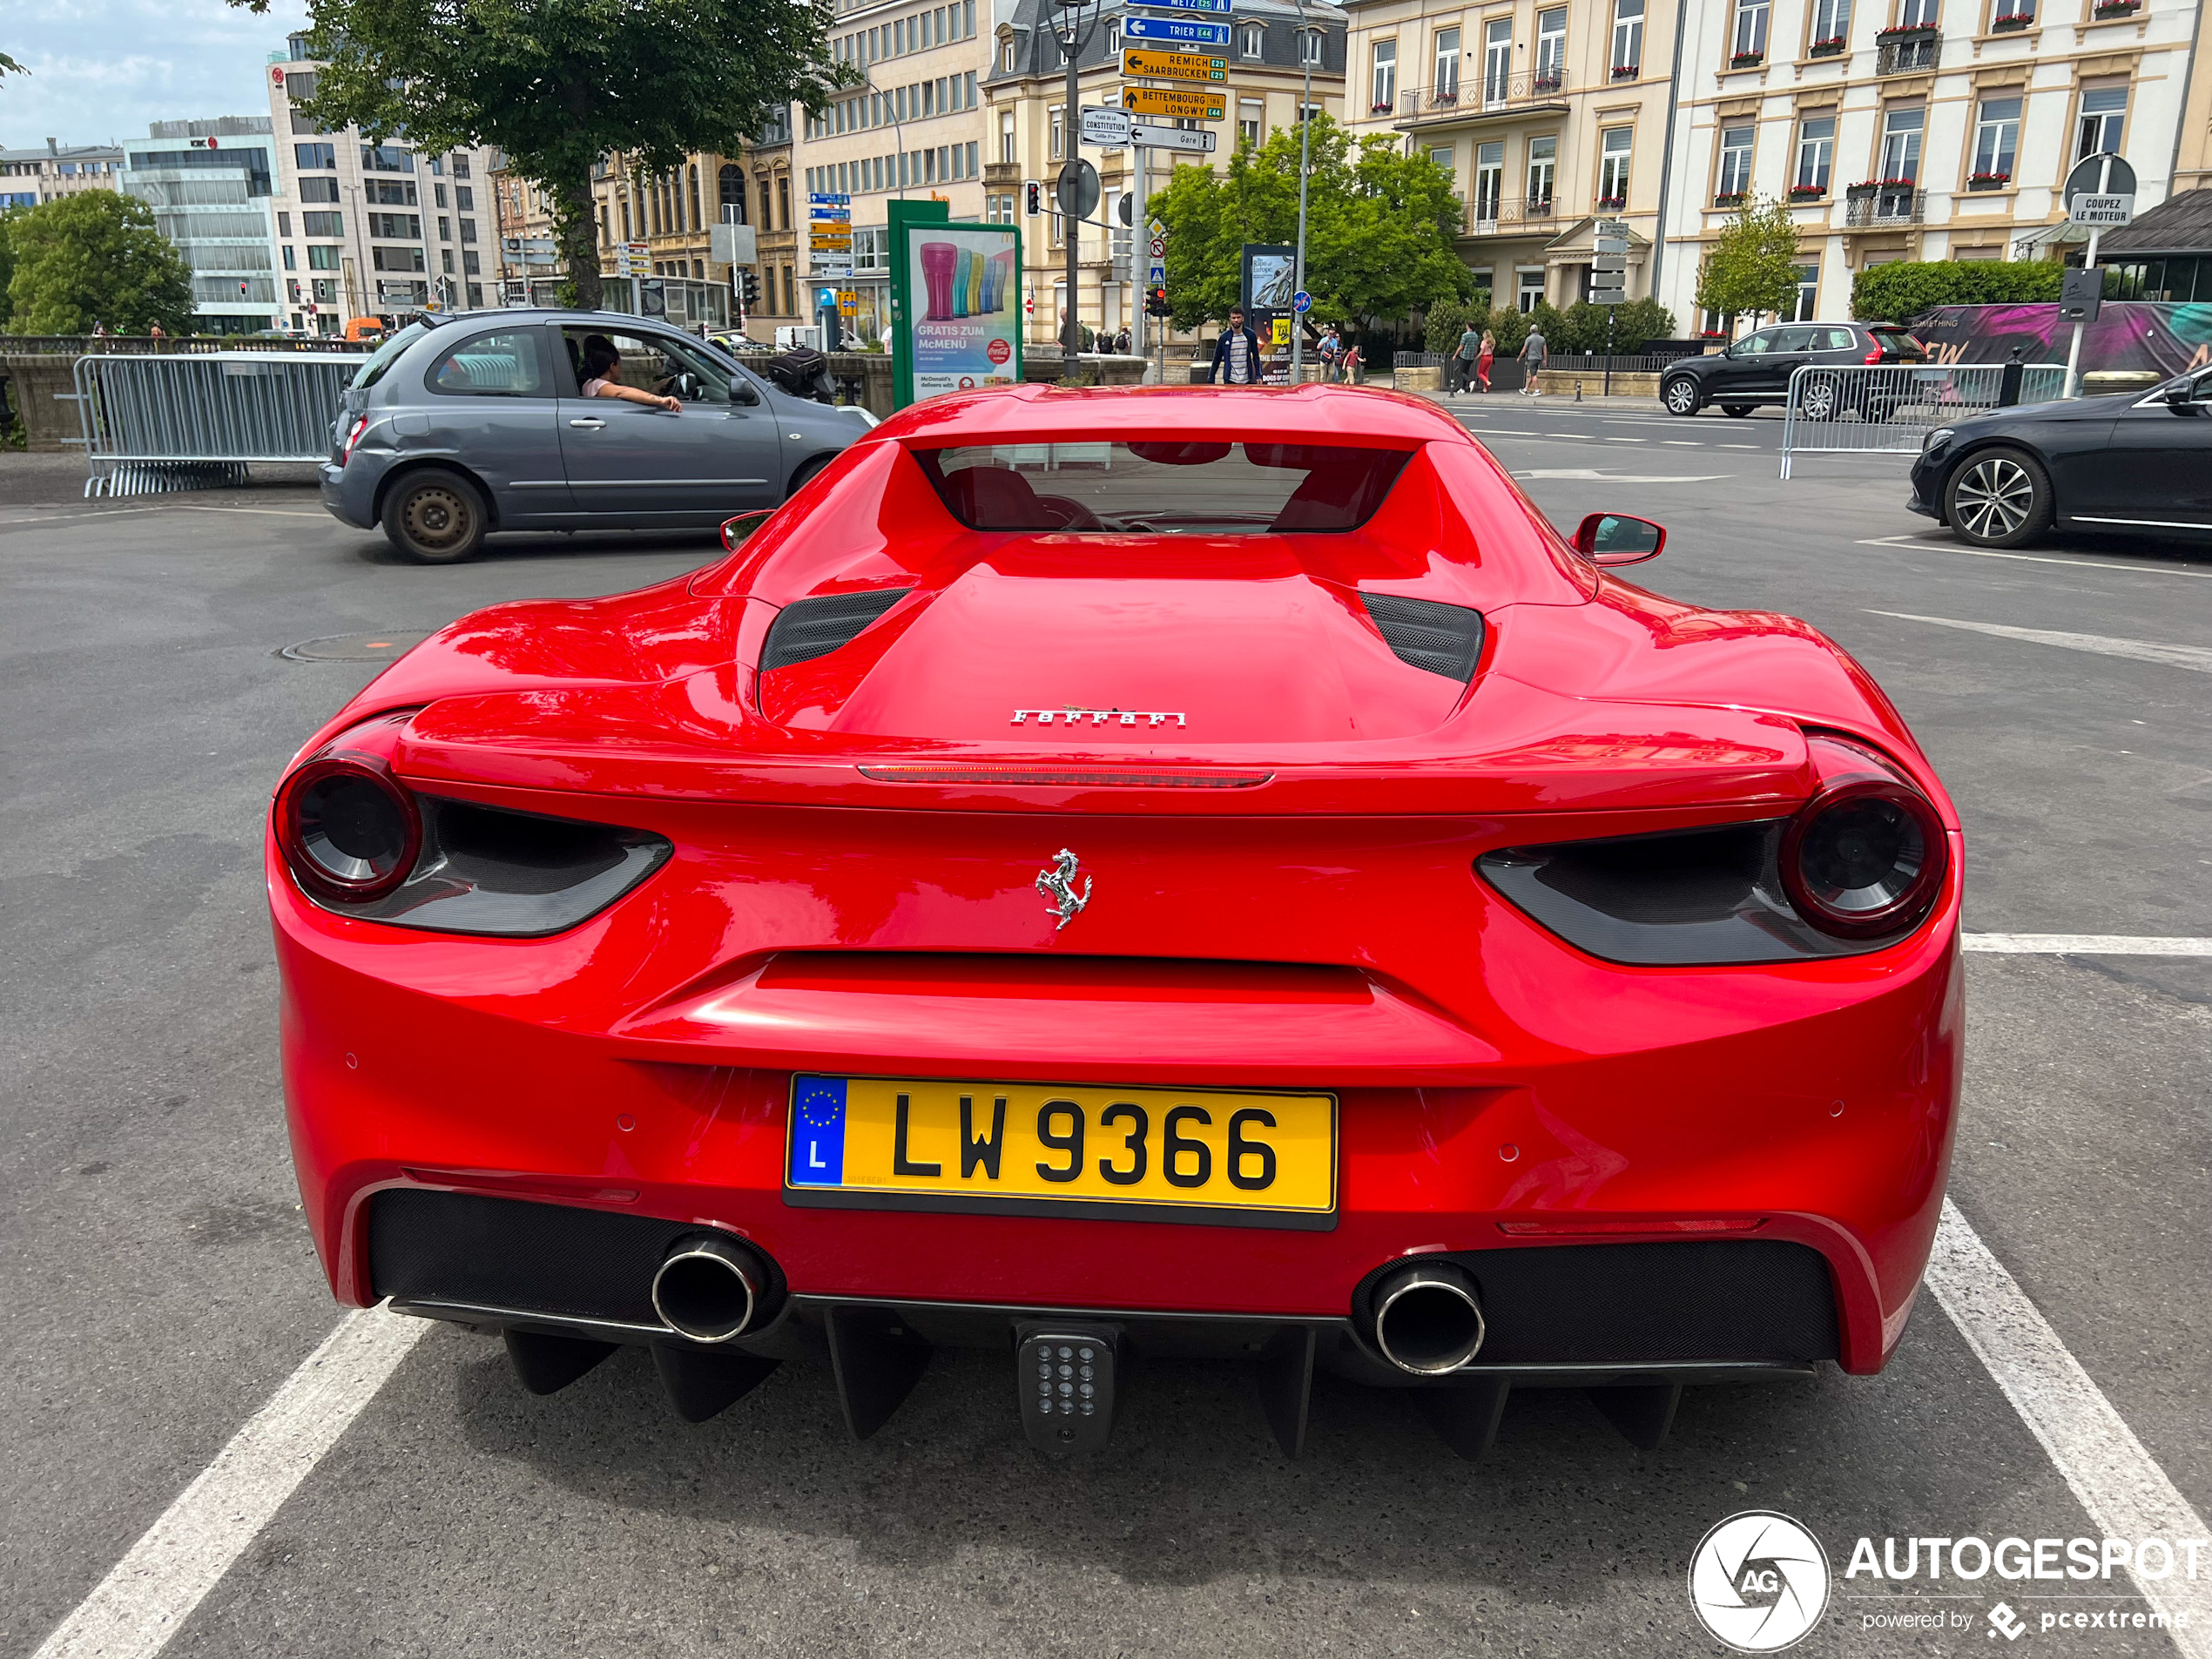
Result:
<point x="1444" y="639"/>
<point x="810" y="628"/>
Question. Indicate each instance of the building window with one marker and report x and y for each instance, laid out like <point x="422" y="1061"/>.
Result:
<point x="316" y="157"/>
<point x="1901" y="131"/>
<point x="730" y="187"/>
<point x="1447" y="65"/>
<point x="1384" y="87"/>
<point x="783" y="201"/>
<point x="1497" y="61"/>
<point x="1253" y="36"/>
<point x="1808" y="291"/>
<point x="322" y="224"/>
<point x="445" y="227"/>
<point x="288" y="262"/>
<point x="318" y="190"/>
<point x="2104" y="114"/>
<point x="1056" y="119"/>
<point x="386" y="158"/>
<point x="1997" y="136"/>
<point x="1613" y="167"/>
<point x="1830" y="22"/>
<point x="469" y="264"/>
<point x="1627" y="39"/>
<point x="1551" y="50"/>
<point x="1252" y="121"/>
<point x="1439" y="156"/>
<point x="445" y="255"/>
<point x="1733" y="182"/>
<point x="767" y="211"/>
<point x="1917" y="14"/>
<point x="467" y="230"/>
<point x="1748" y="45"/>
<point x="1815" y="154"/>
<point x="284" y="223"/>
<point x="1309" y="47"/>
<point x="1543" y="174"/>
<point x="322" y="259"/>
<point x="460" y="167"/>
<point x="1489" y="185"/>
<point x="1006" y="55"/>
<point x="1531" y="280"/>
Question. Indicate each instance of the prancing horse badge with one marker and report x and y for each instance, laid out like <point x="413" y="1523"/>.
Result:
<point x="1058" y="885"/>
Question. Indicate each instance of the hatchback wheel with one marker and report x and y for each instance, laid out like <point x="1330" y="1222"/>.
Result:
<point x="435" y="517"/>
<point x="1681" y="396"/>
<point x="1998" y="498"/>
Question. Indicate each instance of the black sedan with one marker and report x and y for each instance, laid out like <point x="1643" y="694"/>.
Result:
<point x="2114" y="465"/>
<point x="1757" y="368"/>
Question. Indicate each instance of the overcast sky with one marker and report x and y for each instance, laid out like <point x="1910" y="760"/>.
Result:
<point x="100" y="69"/>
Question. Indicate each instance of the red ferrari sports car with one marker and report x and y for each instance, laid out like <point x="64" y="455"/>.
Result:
<point x="1103" y="873"/>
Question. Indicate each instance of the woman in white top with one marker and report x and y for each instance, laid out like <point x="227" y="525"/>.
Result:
<point x="601" y="362"/>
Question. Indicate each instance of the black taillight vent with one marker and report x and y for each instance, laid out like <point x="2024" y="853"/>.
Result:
<point x="810" y="628"/>
<point x="1444" y="639"/>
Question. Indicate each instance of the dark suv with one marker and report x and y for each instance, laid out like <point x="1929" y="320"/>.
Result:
<point x="1757" y="368"/>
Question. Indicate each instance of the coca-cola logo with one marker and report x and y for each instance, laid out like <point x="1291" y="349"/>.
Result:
<point x="999" y="350"/>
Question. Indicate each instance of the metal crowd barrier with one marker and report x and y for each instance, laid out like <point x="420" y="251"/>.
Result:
<point x="1887" y="408"/>
<point x="194" y="422"/>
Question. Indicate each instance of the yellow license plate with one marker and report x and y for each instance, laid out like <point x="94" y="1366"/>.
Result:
<point x="1213" y="1156"/>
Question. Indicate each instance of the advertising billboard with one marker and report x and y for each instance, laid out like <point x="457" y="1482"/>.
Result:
<point x="962" y="306"/>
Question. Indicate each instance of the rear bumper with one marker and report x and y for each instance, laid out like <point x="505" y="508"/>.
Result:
<point x="349" y="494"/>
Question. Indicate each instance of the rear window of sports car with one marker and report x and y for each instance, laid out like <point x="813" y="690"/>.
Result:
<point x="1164" y="487"/>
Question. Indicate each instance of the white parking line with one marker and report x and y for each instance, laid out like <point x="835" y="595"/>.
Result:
<point x="134" y="1611"/>
<point x="1684" y="444"/>
<point x="2127" y="1495"/>
<point x="2198" y="657"/>
<point x="1898" y="543"/>
<point x="2083" y="945"/>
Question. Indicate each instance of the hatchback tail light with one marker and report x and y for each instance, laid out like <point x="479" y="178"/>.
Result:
<point x="353" y="436"/>
<point x="348" y="828"/>
<point x="1866" y="855"/>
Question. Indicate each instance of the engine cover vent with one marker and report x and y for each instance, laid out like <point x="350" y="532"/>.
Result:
<point x="1444" y="639"/>
<point x="809" y="628"/>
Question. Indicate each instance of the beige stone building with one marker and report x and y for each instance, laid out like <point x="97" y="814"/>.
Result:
<point x="1548" y="114"/>
<point x="30" y="177"/>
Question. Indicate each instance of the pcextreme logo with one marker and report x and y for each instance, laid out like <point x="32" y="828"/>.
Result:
<point x="1759" y="1581"/>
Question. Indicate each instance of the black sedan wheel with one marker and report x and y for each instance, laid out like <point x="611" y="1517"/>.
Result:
<point x="1998" y="498"/>
<point x="1822" y="398"/>
<point x="435" y="517"/>
<point x="1681" y="396"/>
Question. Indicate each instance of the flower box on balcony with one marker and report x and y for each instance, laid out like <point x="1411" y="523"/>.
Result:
<point x="1444" y="97"/>
<point x="1988" y="180"/>
<point x="1627" y="71"/>
<point x="1807" y="193"/>
<point x="1831" y="47"/>
<point x="2106" y="10"/>
<point x="1611" y="204"/>
<point x="2011" y="22"/>
<point x="1544" y="84"/>
<point x="1379" y="108"/>
<point x="1730" y="199"/>
<point x="1907" y="31"/>
<point x="1873" y="184"/>
<point x="1746" y="60"/>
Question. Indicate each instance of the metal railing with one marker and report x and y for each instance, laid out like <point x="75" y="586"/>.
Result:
<point x="192" y="422"/>
<point x="1475" y="93"/>
<point x="143" y="346"/>
<point x="1492" y="216"/>
<point x="1890" y="409"/>
<point x="1865" y="205"/>
<point x="1906" y="54"/>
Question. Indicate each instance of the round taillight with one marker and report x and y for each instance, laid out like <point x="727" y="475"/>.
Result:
<point x="1864" y="858"/>
<point x="348" y="828"/>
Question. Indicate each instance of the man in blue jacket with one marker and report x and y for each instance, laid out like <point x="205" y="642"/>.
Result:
<point x="1235" y="354"/>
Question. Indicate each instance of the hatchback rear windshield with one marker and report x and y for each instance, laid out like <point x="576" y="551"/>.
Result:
<point x="385" y="354"/>
<point x="1168" y="486"/>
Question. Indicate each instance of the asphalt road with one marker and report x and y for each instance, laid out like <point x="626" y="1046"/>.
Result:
<point x="159" y="1284"/>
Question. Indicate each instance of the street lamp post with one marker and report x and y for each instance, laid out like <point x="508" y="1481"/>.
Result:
<point x="1073" y="28"/>
<point x="1304" y="151"/>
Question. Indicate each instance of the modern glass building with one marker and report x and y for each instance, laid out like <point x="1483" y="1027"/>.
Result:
<point x="209" y="184"/>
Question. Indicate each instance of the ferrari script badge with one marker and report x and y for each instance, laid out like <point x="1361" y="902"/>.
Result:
<point x="1101" y="717"/>
<point x="1058" y="885"/>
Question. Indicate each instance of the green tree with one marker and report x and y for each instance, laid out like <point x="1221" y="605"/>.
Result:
<point x="94" y="258"/>
<point x="1753" y="266"/>
<point x="1905" y="289"/>
<point x="1379" y="227"/>
<point x="559" y="84"/>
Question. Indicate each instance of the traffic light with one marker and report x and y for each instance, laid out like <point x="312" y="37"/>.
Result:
<point x="1035" y="196"/>
<point x="1156" y="303"/>
<point x="749" y="290"/>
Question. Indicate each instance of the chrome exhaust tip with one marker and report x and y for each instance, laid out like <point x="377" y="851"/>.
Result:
<point x="1429" y="1319"/>
<point x="709" y="1288"/>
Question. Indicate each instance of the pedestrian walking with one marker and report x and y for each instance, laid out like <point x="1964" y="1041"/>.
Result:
<point x="1463" y="360"/>
<point x="1482" y="361"/>
<point x="1350" y="364"/>
<point x="1534" y="351"/>
<point x="1235" y="354"/>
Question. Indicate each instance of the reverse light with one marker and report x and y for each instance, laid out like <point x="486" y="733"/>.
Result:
<point x="349" y="829"/>
<point x="352" y="437"/>
<point x="1866" y="855"/>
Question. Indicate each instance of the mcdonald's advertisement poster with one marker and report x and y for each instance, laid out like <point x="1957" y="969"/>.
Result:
<point x="964" y="286"/>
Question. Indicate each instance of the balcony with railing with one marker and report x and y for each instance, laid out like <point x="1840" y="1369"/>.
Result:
<point x="1482" y="96"/>
<point x="1890" y="202"/>
<point x="1907" y="51"/>
<point x="1511" y="215"/>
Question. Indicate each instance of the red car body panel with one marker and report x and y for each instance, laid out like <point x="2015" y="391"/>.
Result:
<point x="1319" y="925"/>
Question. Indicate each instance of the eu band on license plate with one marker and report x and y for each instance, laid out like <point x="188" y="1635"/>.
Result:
<point x="1218" y="1156"/>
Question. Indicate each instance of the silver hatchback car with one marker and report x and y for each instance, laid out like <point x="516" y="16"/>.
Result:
<point x="480" y="423"/>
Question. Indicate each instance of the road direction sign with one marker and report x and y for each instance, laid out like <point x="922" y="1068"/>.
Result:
<point x="1185" y="31"/>
<point x="1301" y="301"/>
<point x="829" y="198"/>
<point x="1100" y="126"/>
<point x="1173" y="104"/>
<point x="1219" y="8"/>
<point x="1077" y="190"/>
<point x="1159" y="137"/>
<point x="1173" y="66"/>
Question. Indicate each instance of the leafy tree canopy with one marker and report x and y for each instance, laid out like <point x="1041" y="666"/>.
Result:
<point x="1905" y="289"/>
<point x="558" y="83"/>
<point x="94" y="258"/>
<point x="1752" y="266"/>
<point x="1380" y="225"/>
